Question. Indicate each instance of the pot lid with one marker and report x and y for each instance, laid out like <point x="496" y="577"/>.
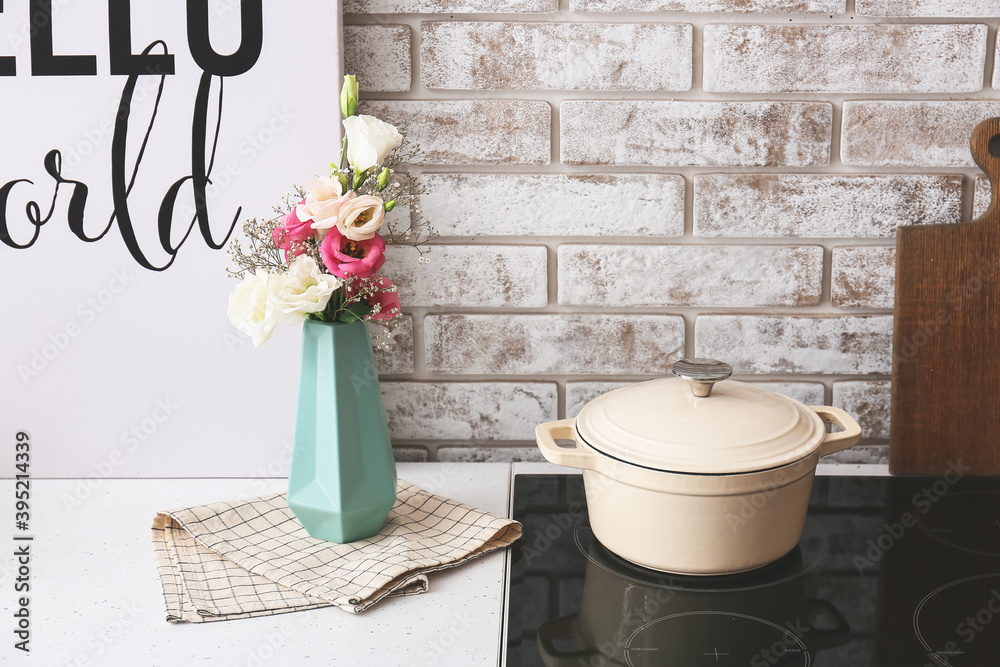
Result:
<point x="700" y="422"/>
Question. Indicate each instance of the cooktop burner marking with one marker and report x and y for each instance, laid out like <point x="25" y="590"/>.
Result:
<point x="916" y="618"/>
<point x="579" y="545"/>
<point x="943" y="534"/>
<point x="715" y="652"/>
<point x="798" y="646"/>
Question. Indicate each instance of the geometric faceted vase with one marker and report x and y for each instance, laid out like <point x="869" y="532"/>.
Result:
<point x="343" y="476"/>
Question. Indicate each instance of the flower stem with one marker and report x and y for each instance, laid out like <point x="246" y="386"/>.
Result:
<point x="343" y="151"/>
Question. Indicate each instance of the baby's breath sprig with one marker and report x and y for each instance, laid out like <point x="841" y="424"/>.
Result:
<point x="262" y="252"/>
<point x="400" y="188"/>
<point x="383" y="333"/>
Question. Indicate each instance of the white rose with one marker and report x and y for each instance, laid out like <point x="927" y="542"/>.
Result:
<point x="251" y="310"/>
<point x="369" y="141"/>
<point x="360" y="218"/>
<point x="303" y="290"/>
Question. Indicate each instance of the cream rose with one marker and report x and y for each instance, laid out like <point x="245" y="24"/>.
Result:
<point x="369" y="141"/>
<point x="251" y="309"/>
<point x="331" y="214"/>
<point x="322" y="193"/>
<point x="322" y="204"/>
<point x="360" y="218"/>
<point x="303" y="290"/>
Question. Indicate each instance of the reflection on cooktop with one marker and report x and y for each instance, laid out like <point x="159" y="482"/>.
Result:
<point x="807" y="555"/>
<point x="714" y="637"/>
<point x="889" y="573"/>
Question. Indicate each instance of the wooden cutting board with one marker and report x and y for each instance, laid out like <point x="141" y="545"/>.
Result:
<point x="946" y="350"/>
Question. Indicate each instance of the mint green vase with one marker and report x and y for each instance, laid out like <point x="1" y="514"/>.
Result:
<point x="343" y="477"/>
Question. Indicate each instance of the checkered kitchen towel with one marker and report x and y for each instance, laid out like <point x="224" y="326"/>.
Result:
<point x="248" y="558"/>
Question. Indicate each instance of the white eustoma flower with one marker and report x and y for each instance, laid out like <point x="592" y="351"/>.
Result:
<point x="359" y="219"/>
<point x="369" y="141"/>
<point x="251" y="310"/>
<point x="304" y="289"/>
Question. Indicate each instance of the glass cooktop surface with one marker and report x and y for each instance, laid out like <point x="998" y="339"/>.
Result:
<point x="890" y="572"/>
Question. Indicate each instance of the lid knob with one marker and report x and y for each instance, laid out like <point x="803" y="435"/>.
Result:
<point x="702" y="374"/>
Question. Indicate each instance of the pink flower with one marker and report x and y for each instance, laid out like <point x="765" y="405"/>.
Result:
<point x="387" y="299"/>
<point x="292" y="230"/>
<point x="344" y="257"/>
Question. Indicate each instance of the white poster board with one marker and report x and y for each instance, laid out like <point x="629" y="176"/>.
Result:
<point x="117" y="355"/>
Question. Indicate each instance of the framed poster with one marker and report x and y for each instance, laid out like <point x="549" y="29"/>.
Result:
<point x="137" y="136"/>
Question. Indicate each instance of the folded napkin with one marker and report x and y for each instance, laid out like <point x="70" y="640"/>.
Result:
<point x="252" y="557"/>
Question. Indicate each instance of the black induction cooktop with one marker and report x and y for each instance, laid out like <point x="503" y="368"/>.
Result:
<point x="890" y="572"/>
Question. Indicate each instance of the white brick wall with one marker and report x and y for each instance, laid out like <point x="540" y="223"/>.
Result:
<point x="696" y="134"/>
<point x="396" y="356"/>
<point x="447" y="6"/>
<point x="911" y="133"/>
<point x="508" y="344"/>
<point x="928" y="8"/>
<point x="471" y="275"/>
<point x="868" y="401"/>
<point x="781" y="344"/>
<point x="817" y="205"/>
<point x="618" y="183"/>
<point x="945" y="58"/>
<point x="468" y="410"/>
<point x="719" y="6"/>
<point x="981" y="197"/>
<point x="555" y="56"/>
<point x="379" y="55"/>
<point x="685" y="275"/>
<point x="863" y="277"/>
<point x="472" y="131"/>
<point x="525" y="204"/>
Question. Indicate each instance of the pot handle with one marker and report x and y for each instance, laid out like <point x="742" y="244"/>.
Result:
<point x="571" y="457"/>
<point x="845" y="439"/>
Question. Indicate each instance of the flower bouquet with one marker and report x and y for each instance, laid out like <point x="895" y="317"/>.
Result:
<point x="320" y="256"/>
<point x="316" y="263"/>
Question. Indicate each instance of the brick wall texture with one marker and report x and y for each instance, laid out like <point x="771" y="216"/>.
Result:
<point x="620" y="183"/>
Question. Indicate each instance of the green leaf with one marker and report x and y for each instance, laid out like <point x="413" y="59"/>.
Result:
<point x="355" y="312"/>
<point x="335" y="303"/>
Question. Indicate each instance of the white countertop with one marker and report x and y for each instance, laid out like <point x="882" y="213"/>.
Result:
<point x="96" y="598"/>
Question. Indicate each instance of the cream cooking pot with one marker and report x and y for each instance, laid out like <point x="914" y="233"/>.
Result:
<point x="697" y="474"/>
